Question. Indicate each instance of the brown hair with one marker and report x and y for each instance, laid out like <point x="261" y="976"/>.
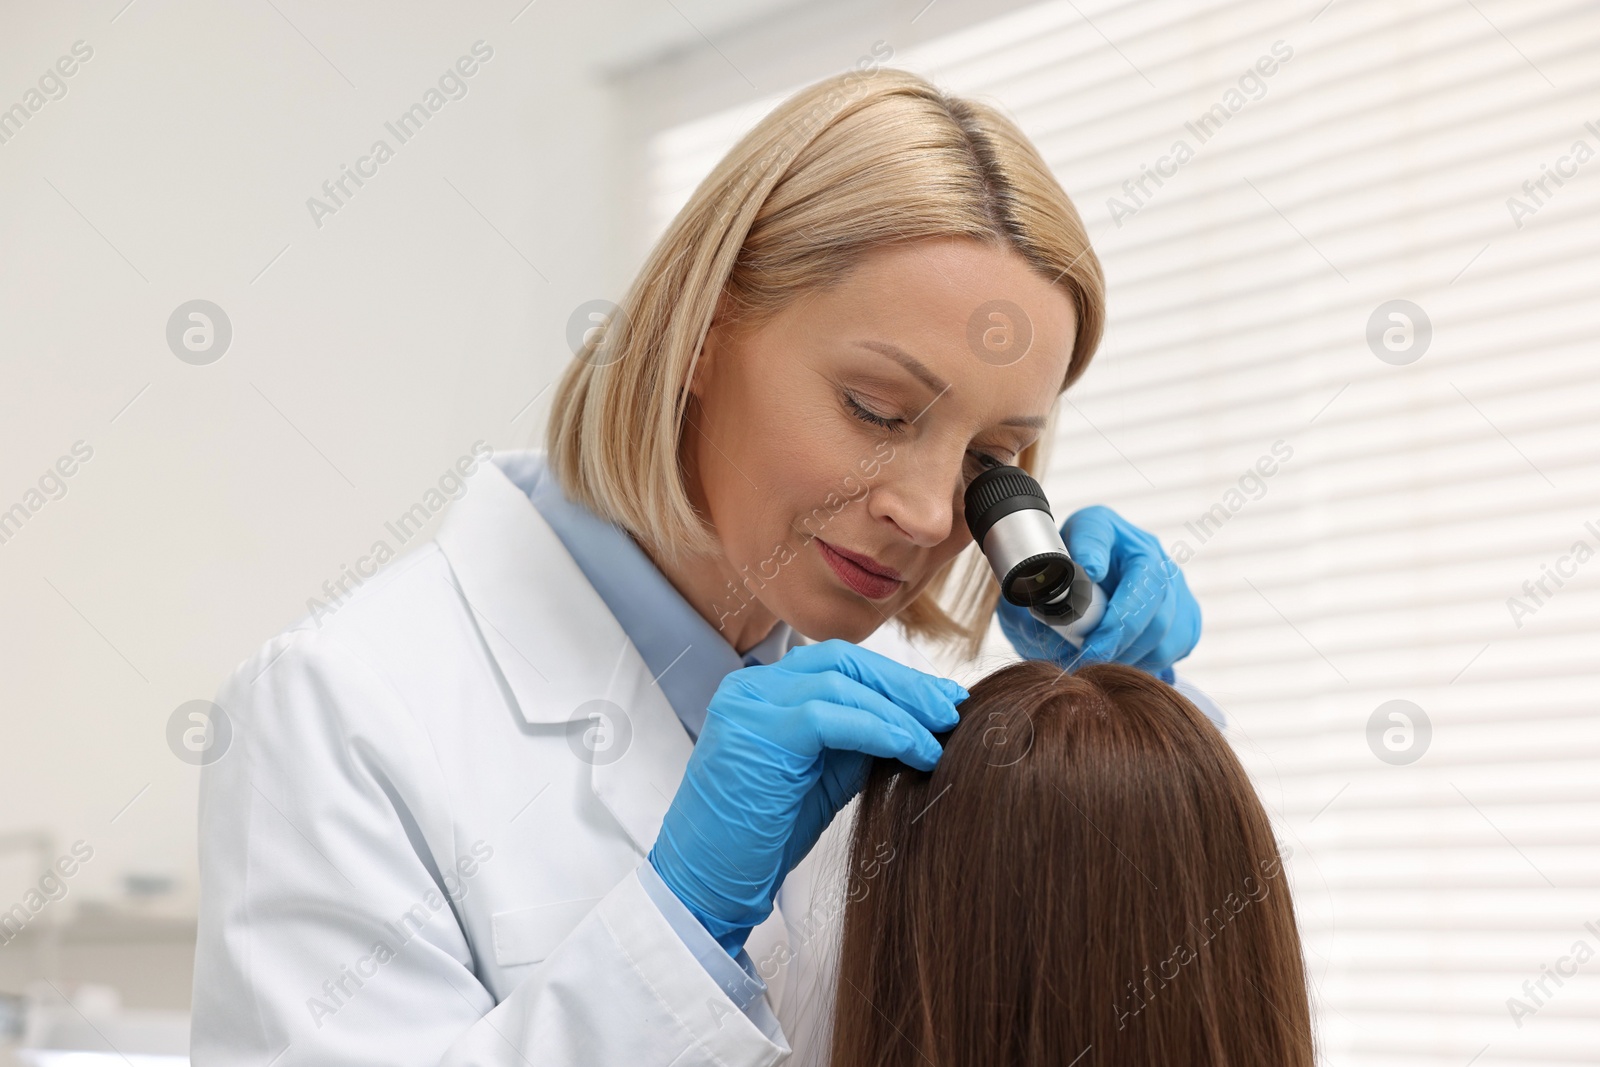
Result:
<point x="859" y="161"/>
<point x="1087" y="870"/>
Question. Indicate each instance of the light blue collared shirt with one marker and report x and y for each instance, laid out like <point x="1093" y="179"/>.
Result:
<point x="688" y="659"/>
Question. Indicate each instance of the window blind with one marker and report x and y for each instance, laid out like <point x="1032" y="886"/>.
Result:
<point x="1348" y="381"/>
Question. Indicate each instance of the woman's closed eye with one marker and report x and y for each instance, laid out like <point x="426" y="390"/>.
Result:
<point x="897" y="425"/>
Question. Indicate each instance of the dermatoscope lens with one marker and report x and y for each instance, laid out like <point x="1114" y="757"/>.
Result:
<point x="1038" y="581"/>
<point x="1010" y="520"/>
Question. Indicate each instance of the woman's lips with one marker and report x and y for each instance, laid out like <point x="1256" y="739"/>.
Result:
<point x="868" y="584"/>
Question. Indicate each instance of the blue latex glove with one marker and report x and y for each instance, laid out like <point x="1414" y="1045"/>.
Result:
<point x="783" y="748"/>
<point x="1151" y="619"/>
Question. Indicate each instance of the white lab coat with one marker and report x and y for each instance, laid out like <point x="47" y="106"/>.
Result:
<point x="406" y="859"/>
<point x="408" y="855"/>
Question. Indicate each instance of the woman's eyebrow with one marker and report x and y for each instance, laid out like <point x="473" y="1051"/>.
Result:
<point x="917" y="369"/>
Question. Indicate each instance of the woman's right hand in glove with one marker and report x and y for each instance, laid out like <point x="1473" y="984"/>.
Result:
<point x="784" y="747"/>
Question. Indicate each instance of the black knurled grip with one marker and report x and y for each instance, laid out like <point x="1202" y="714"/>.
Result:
<point x="1012" y="487"/>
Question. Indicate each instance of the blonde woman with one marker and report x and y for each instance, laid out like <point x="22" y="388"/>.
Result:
<point x="549" y="790"/>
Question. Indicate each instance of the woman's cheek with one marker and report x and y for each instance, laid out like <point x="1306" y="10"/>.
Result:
<point x="882" y="453"/>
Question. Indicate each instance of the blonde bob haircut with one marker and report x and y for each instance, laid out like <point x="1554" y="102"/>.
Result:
<point x="852" y="163"/>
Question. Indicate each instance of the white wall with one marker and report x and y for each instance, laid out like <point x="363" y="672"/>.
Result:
<point x="367" y="353"/>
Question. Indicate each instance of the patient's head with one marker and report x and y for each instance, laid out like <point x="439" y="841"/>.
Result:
<point x="1087" y="871"/>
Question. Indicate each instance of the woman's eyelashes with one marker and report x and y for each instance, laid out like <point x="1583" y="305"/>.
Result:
<point x="897" y="425"/>
<point x="866" y="414"/>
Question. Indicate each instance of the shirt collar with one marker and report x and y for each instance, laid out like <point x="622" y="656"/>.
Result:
<point x="686" y="655"/>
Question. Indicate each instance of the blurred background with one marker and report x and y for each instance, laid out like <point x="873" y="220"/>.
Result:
<point x="1348" y="380"/>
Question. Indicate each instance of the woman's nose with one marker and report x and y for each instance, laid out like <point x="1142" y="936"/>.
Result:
<point x="923" y="503"/>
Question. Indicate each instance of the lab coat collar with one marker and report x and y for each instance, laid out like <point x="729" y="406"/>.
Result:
<point x="558" y="648"/>
<point x="687" y="655"/>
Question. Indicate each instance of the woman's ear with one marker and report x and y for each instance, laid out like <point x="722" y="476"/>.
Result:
<point x="702" y="364"/>
<point x="719" y="336"/>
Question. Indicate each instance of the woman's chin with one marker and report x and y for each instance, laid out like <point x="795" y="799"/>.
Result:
<point x="831" y="617"/>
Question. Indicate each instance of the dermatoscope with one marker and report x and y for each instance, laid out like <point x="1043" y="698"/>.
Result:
<point x="1010" y="520"/>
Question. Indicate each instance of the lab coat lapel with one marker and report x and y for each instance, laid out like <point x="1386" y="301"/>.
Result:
<point x="559" y="649"/>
